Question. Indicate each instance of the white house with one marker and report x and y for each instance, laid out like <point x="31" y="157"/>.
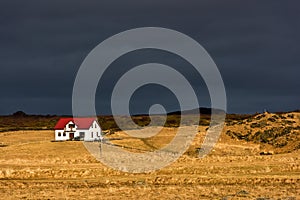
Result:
<point x="86" y="129"/>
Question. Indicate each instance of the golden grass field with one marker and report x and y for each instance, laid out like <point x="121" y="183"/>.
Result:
<point x="33" y="167"/>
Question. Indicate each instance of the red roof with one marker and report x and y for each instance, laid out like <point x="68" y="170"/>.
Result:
<point x="81" y="123"/>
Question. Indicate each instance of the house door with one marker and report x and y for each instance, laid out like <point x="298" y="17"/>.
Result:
<point x="71" y="136"/>
<point x="81" y="135"/>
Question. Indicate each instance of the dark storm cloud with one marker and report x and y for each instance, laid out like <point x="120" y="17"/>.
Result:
<point x="255" y="44"/>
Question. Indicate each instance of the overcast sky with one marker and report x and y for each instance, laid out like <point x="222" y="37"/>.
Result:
<point x="255" y="45"/>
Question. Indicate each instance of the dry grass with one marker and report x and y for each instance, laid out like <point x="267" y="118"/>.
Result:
<point x="32" y="167"/>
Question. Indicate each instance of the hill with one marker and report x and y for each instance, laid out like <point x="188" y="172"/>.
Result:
<point x="277" y="131"/>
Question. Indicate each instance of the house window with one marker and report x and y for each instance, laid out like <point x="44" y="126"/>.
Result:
<point x="95" y="125"/>
<point x="64" y="134"/>
<point x="59" y="134"/>
<point x="91" y="134"/>
<point x="71" y="125"/>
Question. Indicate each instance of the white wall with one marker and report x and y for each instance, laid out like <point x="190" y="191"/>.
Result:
<point x="62" y="137"/>
<point x="94" y="132"/>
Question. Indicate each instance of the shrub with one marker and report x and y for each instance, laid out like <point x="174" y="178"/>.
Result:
<point x="260" y="116"/>
<point x="282" y="117"/>
<point x="287" y="122"/>
<point x="258" y="125"/>
<point x="267" y="136"/>
<point x="249" y="120"/>
<point x="271" y="119"/>
<point x="290" y="116"/>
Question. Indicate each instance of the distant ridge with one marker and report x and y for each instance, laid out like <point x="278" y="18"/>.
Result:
<point x="201" y="110"/>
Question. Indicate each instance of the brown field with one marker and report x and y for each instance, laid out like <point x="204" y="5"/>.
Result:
<point x="33" y="167"/>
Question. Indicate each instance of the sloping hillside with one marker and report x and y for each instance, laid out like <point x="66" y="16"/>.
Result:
<point x="279" y="132"/>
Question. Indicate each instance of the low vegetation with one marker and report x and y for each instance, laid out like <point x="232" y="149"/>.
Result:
<point x="272" y="130"/>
